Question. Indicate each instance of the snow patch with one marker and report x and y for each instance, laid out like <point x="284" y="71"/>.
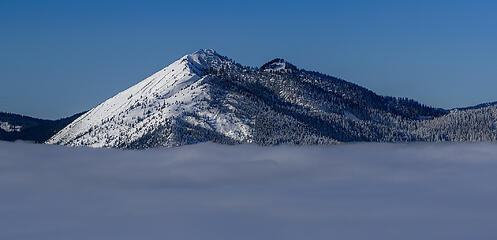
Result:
<point x="9" y="127"/>
<point x="350" y="116"/>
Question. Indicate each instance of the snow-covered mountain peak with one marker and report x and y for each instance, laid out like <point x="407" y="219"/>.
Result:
<point x="278" y="65"/>
<point x="179" y="92"/>
<point x="201" y="60"/>
<point x="205" y="51"/>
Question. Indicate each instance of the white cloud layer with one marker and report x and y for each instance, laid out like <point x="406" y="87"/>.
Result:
<point x="208" y="191"/>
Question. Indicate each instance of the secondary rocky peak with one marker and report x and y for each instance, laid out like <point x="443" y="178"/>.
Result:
<point x="279" y="65"/>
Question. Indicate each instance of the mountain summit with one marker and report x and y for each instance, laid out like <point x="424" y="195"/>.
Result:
<point x="278" y="65"/>
<point x="204" y="96"/>
<point x="175" y="95"/>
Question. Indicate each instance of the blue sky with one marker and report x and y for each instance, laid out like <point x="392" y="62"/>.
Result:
<point x="62" y="57"/>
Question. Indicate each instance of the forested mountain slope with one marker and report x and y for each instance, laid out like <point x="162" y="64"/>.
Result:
<point x="208" y="97"/>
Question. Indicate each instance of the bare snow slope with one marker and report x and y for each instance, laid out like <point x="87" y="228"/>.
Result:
<point x="177" y="93"/>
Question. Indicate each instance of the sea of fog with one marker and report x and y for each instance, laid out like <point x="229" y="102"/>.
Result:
<point x="208" y="191"/>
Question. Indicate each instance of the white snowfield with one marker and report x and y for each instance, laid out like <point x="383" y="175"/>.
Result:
<point x="178" y="91"/>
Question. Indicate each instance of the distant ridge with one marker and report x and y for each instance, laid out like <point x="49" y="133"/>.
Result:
<point x="15" y="127"/>
<point x="483" y="105"/>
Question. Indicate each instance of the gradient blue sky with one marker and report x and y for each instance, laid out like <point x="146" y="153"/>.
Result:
<point x="62" y="57"/>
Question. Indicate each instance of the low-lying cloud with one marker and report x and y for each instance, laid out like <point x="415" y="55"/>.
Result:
<point x="209" y="191"/>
